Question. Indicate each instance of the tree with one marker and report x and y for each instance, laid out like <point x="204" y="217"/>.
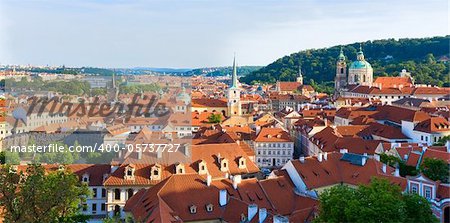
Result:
<point x="418" y="209"/>
<point x="334" y="202"/>
<point x="215" y="118"/>
<point x="442" y="141"/>
<point x="380" y="201"/>
<point x="435" y="169"/>
<point x="389" y="159"/>
<point x="34" y="196"/>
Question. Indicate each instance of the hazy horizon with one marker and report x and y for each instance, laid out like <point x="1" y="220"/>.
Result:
<point x="199" y="33"/>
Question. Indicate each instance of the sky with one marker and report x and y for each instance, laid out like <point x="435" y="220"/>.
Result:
<point x="200" y="33"/>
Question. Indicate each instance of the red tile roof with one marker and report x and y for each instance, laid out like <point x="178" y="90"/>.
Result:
<point x="170" y="200"/>
<point x="333" y="171"/>
<point x="433" y="124"/>
<point x="387" y="82"/>
<point x="209" y="102"/>
<point x="273" y="135"/>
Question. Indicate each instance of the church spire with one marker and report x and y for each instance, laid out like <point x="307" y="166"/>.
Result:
<point x="300" y="75"/>
<point x="234" y="83"/>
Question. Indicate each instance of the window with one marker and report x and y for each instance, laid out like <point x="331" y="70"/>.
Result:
<point x="103" y="192"/>
<point x="209" y="207"/>
<point x="193" y="209"/>
<point x="85" y="207"/>
<point x="117" y="194"/>
<point x="130" y="193"/>
<point x="94" y="192"/>
<point x="103" y="207"/>
<point x="414" y="188"/>
<point x="427" y="192"/>
<point x="94" y="207"/>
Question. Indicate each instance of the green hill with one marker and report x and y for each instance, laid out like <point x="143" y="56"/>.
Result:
<point x="388" y="57"/>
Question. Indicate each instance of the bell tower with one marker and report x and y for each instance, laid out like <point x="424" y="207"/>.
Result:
<point x="300" y="75"/>
<point x="234" y="94"/>
<point x="340" y="81"/>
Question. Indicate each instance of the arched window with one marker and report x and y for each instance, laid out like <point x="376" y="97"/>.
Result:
<point x="342" y="70"/>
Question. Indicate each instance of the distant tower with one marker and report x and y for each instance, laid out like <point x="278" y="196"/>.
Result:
<point x="113" y="92"/>
<point x="234" y="94"/>
<point x="340" y="81"/>
<point x="300" y="76"/>
<point x="360" y="71"/>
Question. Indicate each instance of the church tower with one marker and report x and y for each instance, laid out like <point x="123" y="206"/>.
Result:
<point x="300" y="75"/>
<point x="340" y="81"/>
<point x="234" y="94"/>
<point x="114" y="90"/>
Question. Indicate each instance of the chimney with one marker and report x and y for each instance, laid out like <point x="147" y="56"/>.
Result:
<point x="262" y="215"/>
<point x="139" y="155"/>
<point x="218" y="158"/>
<point x="159" y="154"/>
<point x="280" y="219"/>
<point x="223" y="198"/>
<point x="251" y="211"/>
<point x="384" y="168"/>
<point x="236" y="181"/>
<point x="114" y="168"/>
<point x="364" y="160"/>
<point x="376" y="157"/>
<point x="325" y="156"/>
<point x="397" y="172"/>
<point x="258" y="129"/>
<point x="187" y="149"/>
<point x="208" y="180"/>
<point x="301" y="159"/>
<point x="319" y="157"/>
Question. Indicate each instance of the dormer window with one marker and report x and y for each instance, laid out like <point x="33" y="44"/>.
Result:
<point x="209" y="207"/>
<point x="224" y="165"/>
<point x="129" y="172"/>
<point x="85" y="178"/>
<point x="193" y="209"/>
<point x="179" y="168"/>
<point x="243" y="218"/>
<point x="202" y="169"/>
<point x="155" y="172"/>
<point x="242" y="163"/>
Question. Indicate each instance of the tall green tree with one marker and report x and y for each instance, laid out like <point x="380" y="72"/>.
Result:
<point x="35" y="196"/>
<point x="435" y="169"/>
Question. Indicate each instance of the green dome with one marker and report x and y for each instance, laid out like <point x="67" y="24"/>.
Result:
<point x="360" y="64"/>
